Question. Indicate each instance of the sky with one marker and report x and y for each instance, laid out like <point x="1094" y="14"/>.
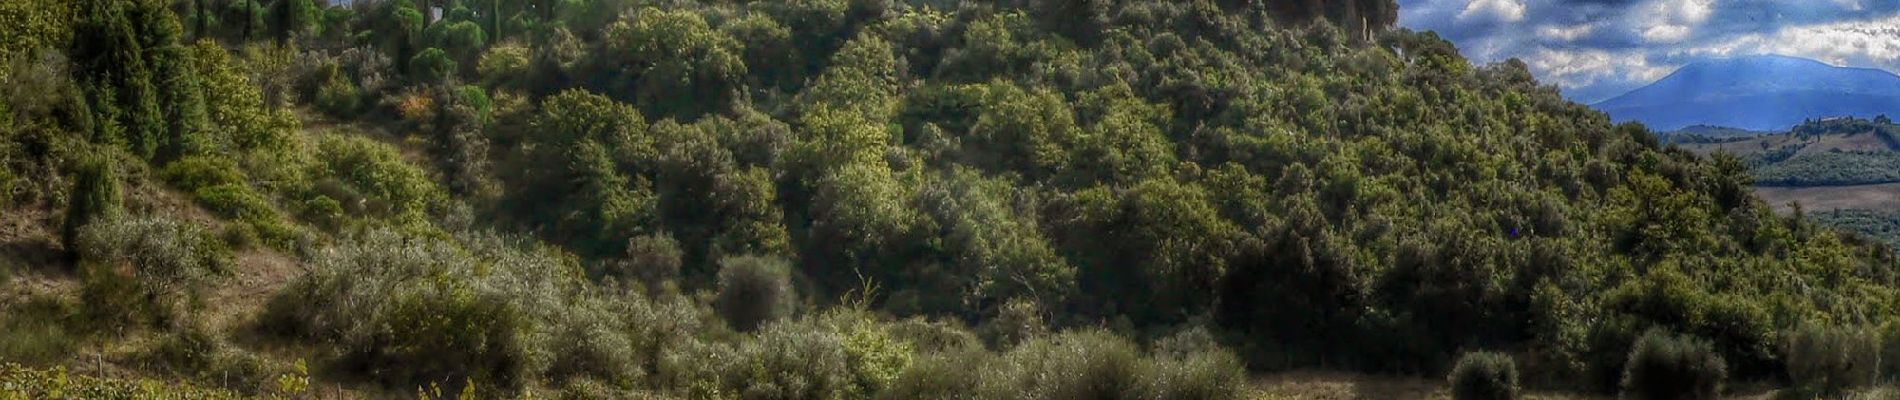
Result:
<point x="1598" y="49"/>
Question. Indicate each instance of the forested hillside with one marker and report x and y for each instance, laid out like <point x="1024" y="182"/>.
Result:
<point x="843" y="199"/>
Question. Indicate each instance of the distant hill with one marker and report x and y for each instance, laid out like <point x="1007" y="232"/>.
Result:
<point x="1833" y="152"/>
<point x="1757" y="93"/>
<point x="1708" y="134"/>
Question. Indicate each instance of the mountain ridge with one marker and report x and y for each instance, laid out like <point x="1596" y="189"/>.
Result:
<point x="1769" y="92"/>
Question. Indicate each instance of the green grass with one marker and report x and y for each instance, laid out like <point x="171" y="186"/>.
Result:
<point x="37" y="332"/>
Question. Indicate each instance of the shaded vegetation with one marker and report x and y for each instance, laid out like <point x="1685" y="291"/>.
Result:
<point x="874" y="199"/>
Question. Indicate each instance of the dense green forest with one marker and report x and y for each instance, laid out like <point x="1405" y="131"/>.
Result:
<point x="844" y="199"/>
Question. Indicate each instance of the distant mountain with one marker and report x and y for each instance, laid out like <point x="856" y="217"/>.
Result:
<point x="1757" y="93"/>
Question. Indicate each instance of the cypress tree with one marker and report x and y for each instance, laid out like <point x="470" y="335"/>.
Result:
<point x="95" y="195"/>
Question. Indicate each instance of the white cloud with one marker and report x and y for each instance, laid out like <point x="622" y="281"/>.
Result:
<point x="1869" y="43"/>
<point x="1666" y="34"/>
<point x="1566" y="33"/>
<point x="1670" y="21"/>
<point x="1493" y="10"/>
<point x="1586" y="67"/>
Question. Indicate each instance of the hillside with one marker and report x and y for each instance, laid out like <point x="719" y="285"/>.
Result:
<point x="1844" y="173"/>
<point x="860" y="199"/>
<point x="1757" y="93"/>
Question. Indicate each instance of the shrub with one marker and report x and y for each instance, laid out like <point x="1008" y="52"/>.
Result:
<point x="235" y="201"/>
<point x="587" y="346"/>
<point x="1210" y="374"/>
<point x="394" y="188"/>
<point x="188" y="351"/>
<point x="441" y="333"/>
<point x="754" y="290"/>
<point x="929" y="336"/>
<point x="1665" y="366"/>
<point x="948" y="375"/>
<point x="240" y="202"/>
<point x="1484" y="375"/>
<point x="412" y="311"/>
<point x="148" y="266"/>
<point x="431" y="65"/>
<point x="1080" y="365"/>
<point x="651" y="260"/>
<point x="1827" y="361"/>
<point x="1016" y="321"/>
<point x="794" y="360"/>
<point x="194" y="172"/>
<point x="505" y="62"/>
<point x="338" y="96"/>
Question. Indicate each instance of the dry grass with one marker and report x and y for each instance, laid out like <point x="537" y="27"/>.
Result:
<point x="1322" y="385"/>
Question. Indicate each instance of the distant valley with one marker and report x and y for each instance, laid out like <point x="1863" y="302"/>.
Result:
<point x="1843" y="172"/>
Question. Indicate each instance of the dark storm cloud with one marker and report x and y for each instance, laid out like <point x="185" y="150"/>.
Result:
<point x="1598" y="48"/>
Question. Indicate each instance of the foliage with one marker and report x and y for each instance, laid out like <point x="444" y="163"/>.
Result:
<point x="672" y="62"/>
<point x="1831" y="168"/>
<point x="19" y="382"/>
<point x="754" y="291"/>
<point x="1881" y="226"/>
<point x="148" y="268"/>
<point x="1484" y="375"/>
<point x="584" y="157"/>
<point x="1668" y="366"/>
<point x="1313" y="194"/>
<point x="432" y="65"/>
<point x="1826" y="361"/>
<point x="374" y="179"/>
<point x="95" y="196"/>
<point x="422" y="311"/>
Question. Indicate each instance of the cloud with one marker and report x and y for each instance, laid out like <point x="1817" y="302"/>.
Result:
<point x="1493" y="10"/>
<point x="1565" y="33"/>
<point x="1596" y="49"/>
<point x="1666" y="34"/>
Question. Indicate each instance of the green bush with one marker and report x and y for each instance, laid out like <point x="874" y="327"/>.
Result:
<point x="338" y="96"/>
<point x="948" y="375"/>
<point x="412" y="311"/>
<point x="195" y="172"/>
<point x="391" y="187"/>
<point x="1211" y="373"/>
<point x="588" y="346"/>
<point x="1484" y="376"/>
<point x="1016" y="321"/>
<point x="1666" y="366"/>
<point x="933" y="336"/>
<point x="1080" y="365"/>
<point x="1826" y="361"/>
<point x="793" y="361"/>
<point x="236" y="201"/>
<point x="148" y="267"/>
<point x="432" y="65"/>
<point x="240" y="202"/>
<point x="754" y="290"/>
<point x="651" y="260"/>
<point x="440" y="333"/>
<point x="842" y="354"/>
<point x="188" y="351"/>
